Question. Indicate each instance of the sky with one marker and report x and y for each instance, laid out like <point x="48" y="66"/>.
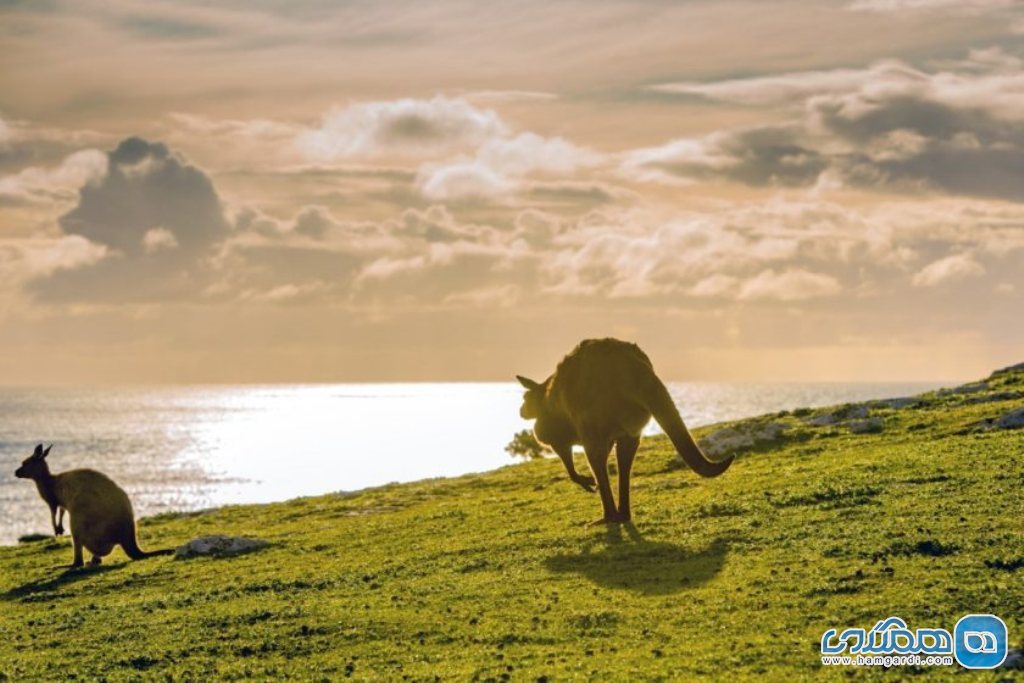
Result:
<point x="314" y="191"/>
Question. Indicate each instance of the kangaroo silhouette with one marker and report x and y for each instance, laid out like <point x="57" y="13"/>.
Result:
<point x="101" y="514"/>
<point x="603" y="394"/>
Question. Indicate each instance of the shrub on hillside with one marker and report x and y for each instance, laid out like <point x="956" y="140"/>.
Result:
<point x="525" y="445"/>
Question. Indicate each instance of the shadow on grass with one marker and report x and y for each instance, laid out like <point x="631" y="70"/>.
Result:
<point x="53" y="583"/>
<point x="646" y="567"/>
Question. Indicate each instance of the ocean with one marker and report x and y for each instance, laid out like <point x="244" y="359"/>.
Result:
<point x="188" y="448"/>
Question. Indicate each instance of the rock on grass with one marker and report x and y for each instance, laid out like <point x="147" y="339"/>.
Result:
<point x="899" y="403"/>
<point x="995" y="398"/>
<point x="872" y="425"/>
<point x="1012" y="420"/>
<point x="731" y="439"/>
<point x="848" y="412"/>
<point x="218" y="546"/>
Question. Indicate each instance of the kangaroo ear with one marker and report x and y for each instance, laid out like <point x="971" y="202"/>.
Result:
<point x="38" y="452"/>
<point x="527" y="383"/>
<point x="47" y="451"/>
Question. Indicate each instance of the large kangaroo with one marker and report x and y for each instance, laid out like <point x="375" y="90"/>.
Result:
<point x="101" y="514"/>
<point x="603" y="394"/>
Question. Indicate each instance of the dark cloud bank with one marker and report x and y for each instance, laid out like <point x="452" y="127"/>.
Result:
<point x="157" y="214"/>
<point x="908" y="133"/>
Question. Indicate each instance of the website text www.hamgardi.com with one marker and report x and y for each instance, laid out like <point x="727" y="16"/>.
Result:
<point x="978" y="641"/>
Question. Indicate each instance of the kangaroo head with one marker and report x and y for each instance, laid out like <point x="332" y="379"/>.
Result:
<point x="533" y="399"/>
<point x="34" y="466"/>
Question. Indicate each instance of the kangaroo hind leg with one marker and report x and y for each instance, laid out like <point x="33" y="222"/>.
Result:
<point x="78" y="561"/>
<point x="598" y="451"/>
<point x="625" y="452"/>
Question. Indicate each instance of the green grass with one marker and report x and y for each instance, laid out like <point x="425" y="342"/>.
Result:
<point x="495" y="576"/>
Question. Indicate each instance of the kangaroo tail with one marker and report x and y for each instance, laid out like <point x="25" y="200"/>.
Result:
<point x="664" y="410"/>
<point x="132" y="550"/>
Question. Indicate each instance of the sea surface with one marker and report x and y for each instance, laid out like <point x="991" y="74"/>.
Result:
<point x="188" y="448"/>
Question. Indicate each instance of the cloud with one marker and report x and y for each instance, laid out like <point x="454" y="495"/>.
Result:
<point x="462" y="180"/>
<point x="984" y="88"/>
<point x="440" y="259"/>
<point x="245" y="129"/>
<point x="258" y="144"/>
<point x="24" y="259"/>
<point x="22" y="140"/>
<point x="769" y="155"/>
<point x="156" y="239"/>
<point x="949" y="269"/>
<point x="575" y="193"/>
<point x="388" y="267"/>
<point x="793" y="284"/>
<point x="781" y="249"/>
<point x="311" y="256"/>
<point x="643" y="253"/>
<point x="960" y="6"/>
<point x="499" y="166"/>
<point x="42" y="185"/>
<point x="161" y="233"/>
<point x="505" y="96"/>
<point x="528" y="153"/>
<point x="466" y="152"/>
<point x="957" y="132"/>
<point x="459" y="150"/>
<point x="890" y="126"/>
<point x="400" y="128"/>
<point x="147" y="187"/>
<point x="715" y="286"/>
<point x="788" y="88"/>
<point x="536" y="228"/>
<point x="312" y="224"/>
<point x="315" y="222"/>
<point x="158" y="218"/>
<point x="288" y="293"/>
<point x="501" y="296"/>
<point x="6" y="134"/>
<point x="417" y="256"/>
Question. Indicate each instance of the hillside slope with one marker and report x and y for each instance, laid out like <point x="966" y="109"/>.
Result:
<point x="495" y="576"/>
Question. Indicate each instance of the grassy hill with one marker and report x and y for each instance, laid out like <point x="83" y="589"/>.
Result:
<point x="495" y="576"/>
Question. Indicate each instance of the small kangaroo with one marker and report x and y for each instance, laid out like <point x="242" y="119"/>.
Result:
<point x="101" y="514"/>
<point x="602" y="394"/>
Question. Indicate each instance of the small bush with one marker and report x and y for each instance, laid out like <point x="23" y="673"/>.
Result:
<point x="1009" y="565"/>
<point x="525" y="445"/>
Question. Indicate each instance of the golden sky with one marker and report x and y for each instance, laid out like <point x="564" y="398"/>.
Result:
<point x="270" y="191"/>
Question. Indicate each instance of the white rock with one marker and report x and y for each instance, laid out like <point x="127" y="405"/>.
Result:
<point x="856" y="412"/>
<point x="897" y="403"/>
<point x="868" y="426"/>
<point x="218" y="546"/>
<point x="730" y="439"/>
<point x="995" y="398"/>
<point x="823" y="420"/>
<point x="1012" y="420"/>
